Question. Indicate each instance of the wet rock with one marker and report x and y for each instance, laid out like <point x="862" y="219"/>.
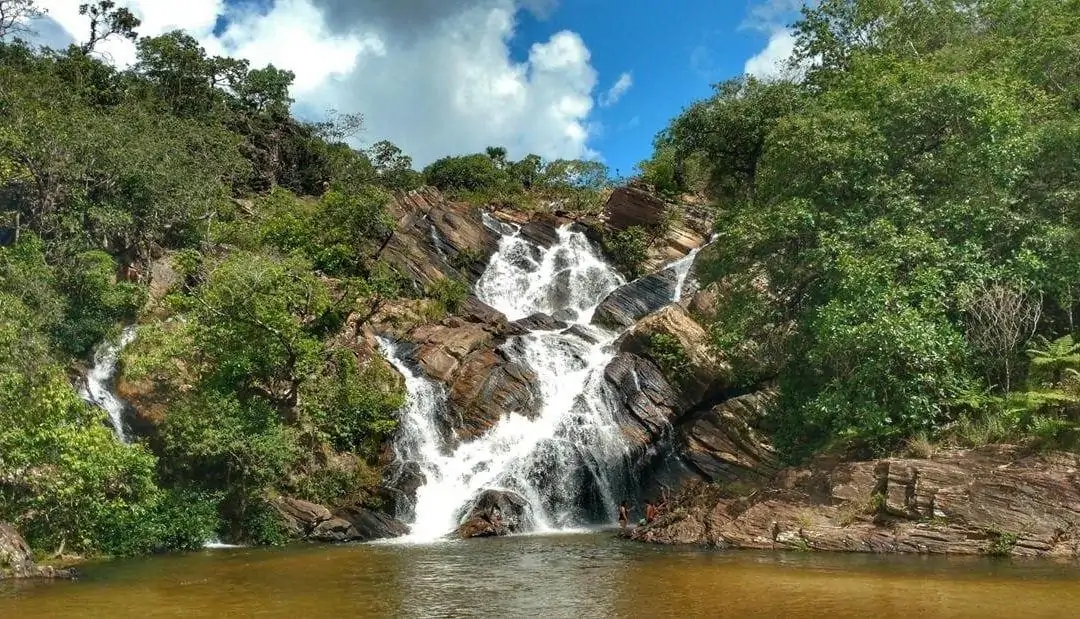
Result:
<point x="642" y="392"/>
<point x="539" y="322"/>
<point x="630" y="302"/>
<point x="401" y="481"/>
<point x="496" y="513"/>
<point x="559" y="293"/>
<point x="565" y="315"/>
<point x="357" y="524"/>
<point x="995" y="500"/>
<point x="488" y="386"/>
<point x="586" y="333"/>
<point x="17" y="559"/>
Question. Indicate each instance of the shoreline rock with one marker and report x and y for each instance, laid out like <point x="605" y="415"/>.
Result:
<point x="314" y="522"/>
<point x="997" y="500"/>
<point x="17" y="559"/>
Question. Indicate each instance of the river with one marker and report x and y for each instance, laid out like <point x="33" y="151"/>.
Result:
<point x="549" y="576"/>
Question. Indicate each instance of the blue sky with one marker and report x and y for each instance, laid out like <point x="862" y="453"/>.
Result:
<point x="674" y="49"/>
<point x="442" y="77"/>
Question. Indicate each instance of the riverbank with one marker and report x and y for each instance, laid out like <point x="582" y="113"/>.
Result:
<point x="999" y="500"/>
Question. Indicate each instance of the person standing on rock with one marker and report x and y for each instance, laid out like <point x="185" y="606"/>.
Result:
<point x="650" y="512"/>
<point x="624" y="517"/>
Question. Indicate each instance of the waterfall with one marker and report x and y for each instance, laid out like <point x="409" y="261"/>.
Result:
<point x="100" y="381"/>
<point x="570" y="461"/>
<point x="684" y="265"/>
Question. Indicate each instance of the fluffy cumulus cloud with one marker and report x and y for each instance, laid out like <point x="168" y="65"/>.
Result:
<point x="434" y="76"/>
<point x="773" y="17"/>
<point x="773" y="61"/>
<point x="617" y="90"/>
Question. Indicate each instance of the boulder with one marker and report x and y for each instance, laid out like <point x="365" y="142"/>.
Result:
<point x="300" y="517"/>
<point x="306" y="520"/>
<point x="17" y="559"/>
<point x="539" y="322"/>
<point x="630" y="302"/>
<point x="163" y="277"/>
<point x="357" y="524"/>
<point x="400" y="483"/>
<point x="488" y="386"/>
<point x="496" y="513"/>
<point x="996" y="500"/>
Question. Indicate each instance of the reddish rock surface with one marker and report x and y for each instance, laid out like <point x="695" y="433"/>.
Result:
<point x="997" y="500"/>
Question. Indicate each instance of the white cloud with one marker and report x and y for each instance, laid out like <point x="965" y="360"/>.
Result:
<point x="434" y="76"/>
<point x="617" y="90"/>
<point x="773" y="61"/>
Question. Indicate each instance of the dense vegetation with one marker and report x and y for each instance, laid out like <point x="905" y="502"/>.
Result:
<point x="273" y="231"/>
<point x="899" y="222"/>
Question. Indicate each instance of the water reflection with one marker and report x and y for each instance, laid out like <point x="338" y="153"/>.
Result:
<point x="586" y="575"/>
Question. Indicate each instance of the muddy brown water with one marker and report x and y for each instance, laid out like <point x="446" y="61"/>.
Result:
<point x="583" y="575"/>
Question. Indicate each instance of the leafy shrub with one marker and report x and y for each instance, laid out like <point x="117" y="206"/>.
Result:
<point x="469" y="173"/>
<point x="668" y="352"/>
<point x="628" y="249"/>
<point x="449" y="292"/>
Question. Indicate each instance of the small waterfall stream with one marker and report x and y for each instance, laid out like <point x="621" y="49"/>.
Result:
<point x="570" y="461"/>
<point x="100" y="381"/>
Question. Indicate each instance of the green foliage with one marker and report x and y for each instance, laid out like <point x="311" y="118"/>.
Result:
<point x="628" y="249"/>
<point x="668" y="352"/>
<point x="64" y="479"/>
<point x="893" y="228"/>
<point x="1001" y="543"/>
<point x="275" y="227"/>
<point x="469" y="173"/>
<point x="356" y="407"/>
<point x="449" y="292"/>
<point x="96" y="301"/>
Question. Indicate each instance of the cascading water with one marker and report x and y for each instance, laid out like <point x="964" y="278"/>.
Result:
<point x="99" y="381"/>
<point x="569" y="461"/>
<point x="683" y="266"/>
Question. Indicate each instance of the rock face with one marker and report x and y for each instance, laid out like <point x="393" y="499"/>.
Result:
<point x="306" y="520"/>
<point x="17" y="560"/>
<point x="650" y="403"/>
<point x="630" y="302"/>
<point x="722" y="444"/>
<point x="489" y="386"/>
<point x="496" y="513"/>
<point x="538" y="322"/>
<point x="637" y="205"/>
<point x="703" y="375"/>
<point x="997" y="500"/>
<point x="435" y="238"/>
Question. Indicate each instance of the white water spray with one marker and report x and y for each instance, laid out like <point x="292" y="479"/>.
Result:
<point x="100" y="381"/>
<point x="569" y="460"/>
